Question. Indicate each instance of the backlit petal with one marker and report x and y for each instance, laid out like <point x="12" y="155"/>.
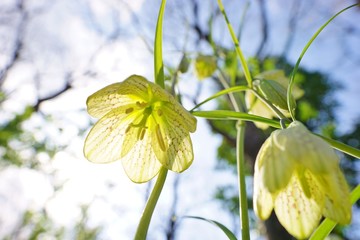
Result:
<point x="135" y="86"/>
<point x="297" y="213"/>
<point x="262" y="199"/>
<point x="336" y="193"/>
<point x="106" y="99"/>
<point x="274" y="166"/>
<point x="140" y="163"/>
<point x="174" y="112"/>
<point x="178" y="154"/>
<point x="104" y="141"/>
<point x="306" y="149"/>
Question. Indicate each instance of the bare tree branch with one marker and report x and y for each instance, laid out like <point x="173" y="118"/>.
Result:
<point x="18" y="43"/>
<point x="56" y="94"/>
<point x="264" y="28"/>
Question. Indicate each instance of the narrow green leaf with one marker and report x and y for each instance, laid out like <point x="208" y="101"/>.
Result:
<point x="227" y="232"/>
<point x="342" y="147"/>
<point x="230" y="115"/>
<point x="291" y="104"/>
<point x="325" y="228"/>
<point x="158" y="60"/>
<point x="220" y="93"/>
<point x="237" y="45"/>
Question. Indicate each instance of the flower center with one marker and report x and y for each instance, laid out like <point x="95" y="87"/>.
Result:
<point x="141" y="123"/>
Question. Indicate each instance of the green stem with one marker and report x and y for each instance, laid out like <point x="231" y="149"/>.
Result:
<point x="240" y="159"/>
<point x="237" y="46"/>
<point x="143" y="226"/>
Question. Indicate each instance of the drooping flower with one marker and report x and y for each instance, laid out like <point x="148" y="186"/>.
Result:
<point x="298" y="175"/>
<point x="205" y="66"/>
<point x="143" y="126"/>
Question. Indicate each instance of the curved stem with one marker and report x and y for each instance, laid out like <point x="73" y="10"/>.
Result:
<point x="291" y="104"/>
<point x="144" y="223"/>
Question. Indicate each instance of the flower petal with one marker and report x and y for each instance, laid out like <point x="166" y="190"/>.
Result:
<point x="173" y="108"/>
<point x="131" y="90"/>
<point x="104" y="141"/>
<point x="274" y="166"/>
<point x="307" y="149"/>
<point x="140" y="162"/>
<point x="337" y="196"/>
<point x="262" y="199"/>
<point x="136" y="86"/>
<point x="172" y="144"/>
<point x="297" y="213"/>
<point x="174" y="112"/>
<point x="106" y="99"/>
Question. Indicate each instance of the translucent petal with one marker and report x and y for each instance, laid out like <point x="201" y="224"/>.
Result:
<point x="106" y="99"/>
<point x="262" y="199"/>
<point x="276" y="169"/>
<point x="140" y="162"/>
<point x="173" y="108"/>
<point x="174" y="112"/>
<point x="306" y="149"/>
<point x="104" y="141"/>
<point x="178" y="154"/>
<point x="297" y="213"/>
<point x="136" y="86"/>
<point x="337" y="196"/>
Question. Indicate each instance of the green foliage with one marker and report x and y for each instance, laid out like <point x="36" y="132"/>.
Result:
<point x="15" y="140"/>
<point x="35" y="225"/>
<point x="82" y="231"/>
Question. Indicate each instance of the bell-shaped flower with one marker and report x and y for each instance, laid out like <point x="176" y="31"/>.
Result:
<point x="143" y="126"/>
<point x="298" y="175"/>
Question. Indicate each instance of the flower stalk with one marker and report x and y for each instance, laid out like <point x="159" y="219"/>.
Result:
<point x="240" y="160"/>
<point x="144" y="223"/>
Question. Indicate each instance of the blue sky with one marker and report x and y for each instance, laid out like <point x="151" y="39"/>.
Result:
<point x="98" y="43"/>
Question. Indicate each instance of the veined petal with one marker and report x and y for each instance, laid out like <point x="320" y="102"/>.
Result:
<point x="337" y="196"/>
<point x="308" y="150"/>
<point x="140" y="162"/>
<point x="262" y="199"/>
<point x="172" y="145"/>
<point x="106" y="99"/>
<point x="297" y="213"/>
<point x="136" y="86"/>
<point x="173" y="109"/>
<point x="174" y="112"/>
<point x="104" y="141"/>
<point x="274" y="166"/>
<point x="134" y="133"/>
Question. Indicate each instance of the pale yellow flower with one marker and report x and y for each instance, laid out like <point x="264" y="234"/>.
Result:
<point x="205" y="66"/>
<point x="297" y="174"/>
<point x="143" y="126"/>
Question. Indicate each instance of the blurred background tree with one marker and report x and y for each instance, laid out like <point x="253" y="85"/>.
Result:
<point x="53" y="54"/>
